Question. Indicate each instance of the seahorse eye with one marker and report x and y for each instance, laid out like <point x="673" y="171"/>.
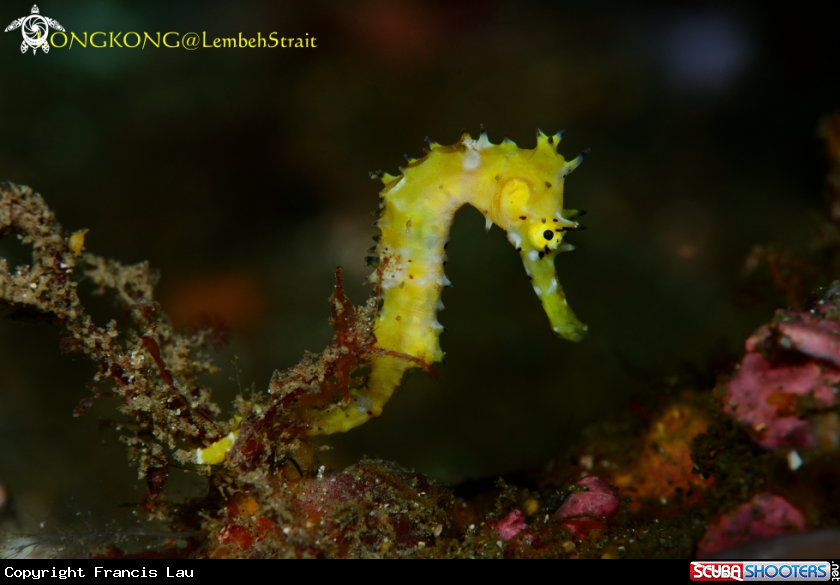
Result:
<point x="542" y="238"/>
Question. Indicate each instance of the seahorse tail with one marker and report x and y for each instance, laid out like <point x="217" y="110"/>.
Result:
<point x="365" y="403"/>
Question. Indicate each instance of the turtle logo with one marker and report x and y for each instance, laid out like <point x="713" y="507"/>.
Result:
<point x="35" y="29"/>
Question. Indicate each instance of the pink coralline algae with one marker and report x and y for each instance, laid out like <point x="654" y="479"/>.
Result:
<point x="511" y="525"/>
<point x="764" y="516"/>
<point x="590" y="508"/>
<point x="794" y="359"/>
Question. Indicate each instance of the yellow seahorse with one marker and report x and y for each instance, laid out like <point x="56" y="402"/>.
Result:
<point x="519" y="190"/>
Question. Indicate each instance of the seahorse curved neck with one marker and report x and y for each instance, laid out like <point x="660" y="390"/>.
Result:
<point x="519" y="190"/>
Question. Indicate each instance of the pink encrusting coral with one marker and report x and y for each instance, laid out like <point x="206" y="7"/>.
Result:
<point x="511" y="525"/>
<point x="764" y="516"/>
<point x="794" y="359"/>
<point x="588" y="509"/>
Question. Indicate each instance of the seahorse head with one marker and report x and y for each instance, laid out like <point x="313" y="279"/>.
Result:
<point x="528" y="205"/>
<point x="518" y="189"/>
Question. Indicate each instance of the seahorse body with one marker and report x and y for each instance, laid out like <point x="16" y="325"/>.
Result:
<point x="519" y="190"/>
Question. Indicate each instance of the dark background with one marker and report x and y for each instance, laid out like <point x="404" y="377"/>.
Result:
<point x="242" y="175"/>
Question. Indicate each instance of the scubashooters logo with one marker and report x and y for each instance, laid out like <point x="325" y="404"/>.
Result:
<point x="798" y="571"/>
<point x="35" y="29"/>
